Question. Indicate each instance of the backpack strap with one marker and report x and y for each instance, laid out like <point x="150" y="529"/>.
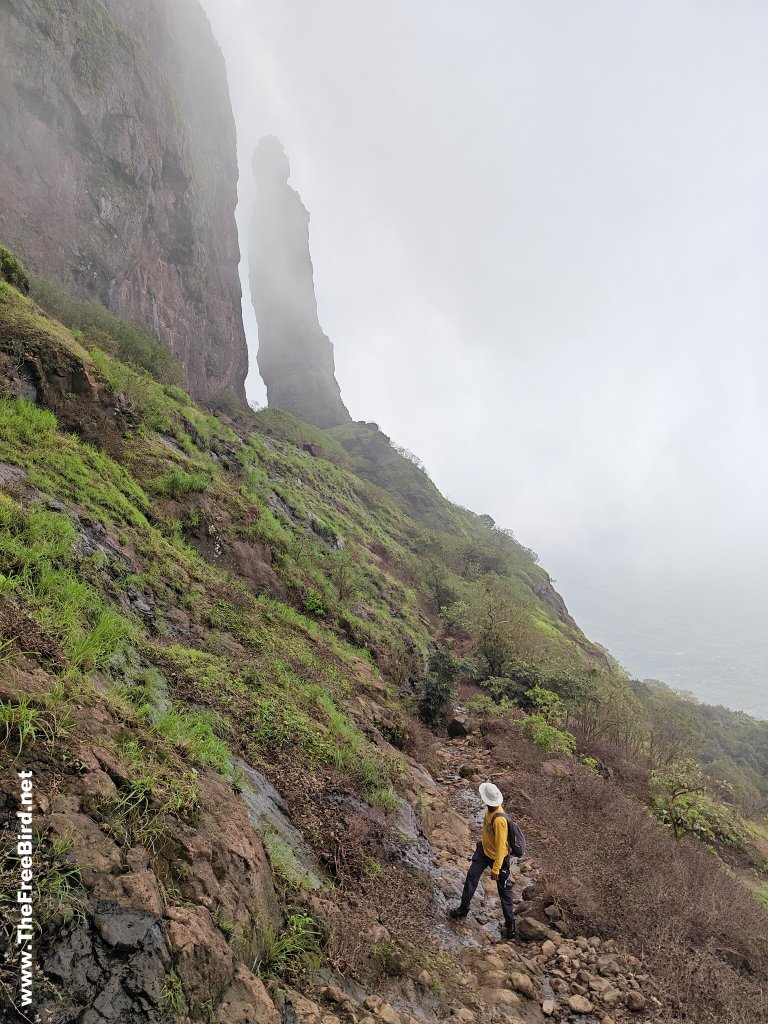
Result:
<point x="510" y="828"/>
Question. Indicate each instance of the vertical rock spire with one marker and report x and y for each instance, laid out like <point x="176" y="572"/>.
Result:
<point x="295" y="357"/>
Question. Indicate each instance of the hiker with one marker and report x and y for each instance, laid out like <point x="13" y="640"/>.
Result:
<point x="493" y="851"/>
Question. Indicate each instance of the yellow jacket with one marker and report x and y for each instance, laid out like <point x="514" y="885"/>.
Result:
<point x="495" y="837"/>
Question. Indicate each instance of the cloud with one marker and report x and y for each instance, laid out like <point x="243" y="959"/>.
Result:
<point x="540" y="238"/>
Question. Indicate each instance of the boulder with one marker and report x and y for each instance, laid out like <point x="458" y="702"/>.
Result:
<point x="458" y="726"/>
<point x="464" y="1015"/>
<point x="335" y="995"/>
<point x="580" y="1004"/>
<point x="376" y="934"/>
<point x="500" y="997"/>
<point x="531" y="930"/>
<point x="556" y="769"/>
<point x="607" y="965"/>
<point x="246" y="1001"/>
<point x="386" y="1013"/>
<point x="204" y="960"/>
<point x="524" y="984"/>
<point x="635" y="1001"/>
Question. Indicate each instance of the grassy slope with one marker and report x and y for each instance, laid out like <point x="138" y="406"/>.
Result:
<point x="345" y="602"/>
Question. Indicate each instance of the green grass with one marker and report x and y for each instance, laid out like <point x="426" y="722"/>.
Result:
<point x="173" y="994"/>
<point x="177" y="483"/>
<point x="295" y="950"/>
<point x="38" y="554"/>
<point x="155" y="791"/>
<point x="761" y="891"/>
<point x="60" y="894"/>
<point x="283" y="862"/>
<point x="193" y="733"/>
<point x="23" y="724"/>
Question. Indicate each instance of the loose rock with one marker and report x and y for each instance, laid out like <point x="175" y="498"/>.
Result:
<point x="635" y="1001"/>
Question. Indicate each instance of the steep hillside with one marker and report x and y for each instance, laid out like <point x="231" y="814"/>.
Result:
<point x="119" y="171"/>
<point x="220" y="646"/>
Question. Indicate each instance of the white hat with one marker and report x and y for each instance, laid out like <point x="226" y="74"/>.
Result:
<point x="490" y="794"/>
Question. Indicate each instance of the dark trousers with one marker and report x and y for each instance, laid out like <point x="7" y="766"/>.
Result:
<point x="479" y="863"/>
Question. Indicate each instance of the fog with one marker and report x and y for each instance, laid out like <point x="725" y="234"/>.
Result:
<point x="540" y="239"/>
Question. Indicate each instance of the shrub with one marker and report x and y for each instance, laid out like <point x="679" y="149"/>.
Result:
<point x="102" y="329"/>
<point x="294" y="951"/>
<point x="444" y="664"/>
<point x="548" y="738"/>
<point x="591" y="764"/>
<point x="436" y="690"/>
<point x="482" y="704"/>
<point x="435" y="697"/>
<point x="547" y="705"/>
<point x="12" y="271"/>
<point x="313" y="605"/>
<point x="504" y="688"/>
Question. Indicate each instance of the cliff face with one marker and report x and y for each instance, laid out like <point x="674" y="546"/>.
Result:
<point x="295" y="356"/>
<point x="119" y="171"/>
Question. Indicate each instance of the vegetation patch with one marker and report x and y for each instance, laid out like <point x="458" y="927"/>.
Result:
<point x="12" y="271"/>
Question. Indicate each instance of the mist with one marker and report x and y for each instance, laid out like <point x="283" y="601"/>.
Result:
<point x="540" y="242"/>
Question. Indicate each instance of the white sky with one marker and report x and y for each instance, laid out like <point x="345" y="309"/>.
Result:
<point x="540" y="238"/>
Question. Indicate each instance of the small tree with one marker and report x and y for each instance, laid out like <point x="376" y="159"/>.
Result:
<point x="682" y="803"/>
<point x="543" y="726"/>
<point x="548" y="705"/>
<point x="436" y="689"/>
<point x="435" y="697"/>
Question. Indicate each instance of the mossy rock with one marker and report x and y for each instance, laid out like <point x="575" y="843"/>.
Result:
<point x="12" y="271"/>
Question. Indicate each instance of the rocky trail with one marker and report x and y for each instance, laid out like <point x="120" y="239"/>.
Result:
<point x="546" y="974"/>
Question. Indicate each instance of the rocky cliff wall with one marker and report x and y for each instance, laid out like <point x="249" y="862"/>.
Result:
<point x="295" y="356"/>
<point x="119" y="172"/>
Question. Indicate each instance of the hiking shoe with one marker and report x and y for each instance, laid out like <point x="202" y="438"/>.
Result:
<point x="457" y="913"/>
<point x="508" y="932"/>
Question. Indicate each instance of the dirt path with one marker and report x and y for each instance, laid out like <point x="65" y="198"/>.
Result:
<point x="579" y="980"/>
<point x="491" y="980"/>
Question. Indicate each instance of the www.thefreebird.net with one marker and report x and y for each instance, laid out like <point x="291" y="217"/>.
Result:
<point x="22" y="901"/>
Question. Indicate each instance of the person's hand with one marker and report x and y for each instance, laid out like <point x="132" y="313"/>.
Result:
<point x="494" y="875"/>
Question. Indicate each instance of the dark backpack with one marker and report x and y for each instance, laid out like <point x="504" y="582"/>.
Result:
<point x="515" y="837"/>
